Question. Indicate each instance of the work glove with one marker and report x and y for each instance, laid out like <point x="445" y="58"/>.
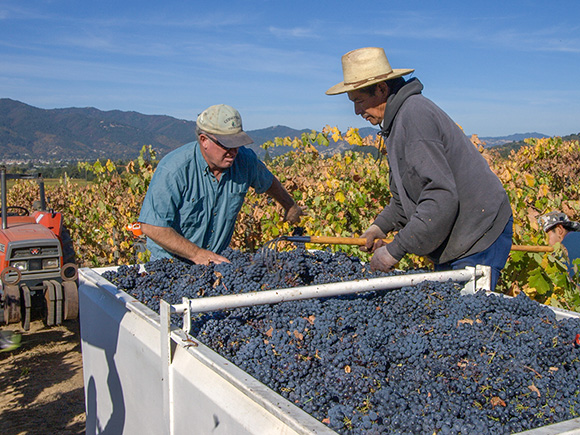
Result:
<point x="382" y="260"/>
<point x="374" y="236"/>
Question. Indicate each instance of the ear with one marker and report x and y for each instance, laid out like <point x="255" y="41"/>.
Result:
<point x="561" y="232"/>
<point x="203" y="139"/>
<point x="382" y="89"/>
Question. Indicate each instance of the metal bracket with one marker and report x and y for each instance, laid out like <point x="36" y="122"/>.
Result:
<point x="186" y="315"/>
<point x="480" y="280"/>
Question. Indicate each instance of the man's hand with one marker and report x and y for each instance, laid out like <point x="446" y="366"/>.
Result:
<point x="382" y="260"/>
<point x="175" y="243"/>
<point x="203" y="256"/>
<point x="374" y="236"/>
<point x="293" y="214"/>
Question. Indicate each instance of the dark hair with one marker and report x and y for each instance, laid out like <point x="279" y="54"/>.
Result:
<point x="393" y="84"/>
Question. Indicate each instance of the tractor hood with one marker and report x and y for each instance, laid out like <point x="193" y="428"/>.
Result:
<point x="25" y="231"/>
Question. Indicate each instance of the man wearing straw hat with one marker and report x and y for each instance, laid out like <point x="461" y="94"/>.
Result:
<point x="446" y="202"/>
<point x="197" y="190"/>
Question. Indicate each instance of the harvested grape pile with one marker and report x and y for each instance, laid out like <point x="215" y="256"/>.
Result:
<point x="418" y="360"/>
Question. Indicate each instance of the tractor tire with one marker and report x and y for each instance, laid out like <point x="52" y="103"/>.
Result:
<point x="12" y="306"/>
<point x="71" y="300"/>
<point x="50" y="303"/>
<point x="26" y="306"/>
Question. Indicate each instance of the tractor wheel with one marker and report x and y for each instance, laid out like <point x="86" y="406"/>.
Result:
<point x="71" y="300"/>
<point x="12" y="310"/>
<point x="50" y="303"/>
<point x="26" y="309"/>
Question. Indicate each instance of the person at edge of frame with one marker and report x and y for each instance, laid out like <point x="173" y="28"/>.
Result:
<point x="560" y="229"/>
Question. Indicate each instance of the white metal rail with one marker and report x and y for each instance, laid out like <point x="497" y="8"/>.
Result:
<point x="475" y="277"/>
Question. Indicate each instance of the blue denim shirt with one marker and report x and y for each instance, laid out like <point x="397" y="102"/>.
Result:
<point x="572" y="244"/>
<point x="186" y="196"/>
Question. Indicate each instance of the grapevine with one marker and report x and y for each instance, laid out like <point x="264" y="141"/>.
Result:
<point x="342" y="193"/>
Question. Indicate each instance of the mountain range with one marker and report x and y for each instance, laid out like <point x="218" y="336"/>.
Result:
<point x="31" y="133"/>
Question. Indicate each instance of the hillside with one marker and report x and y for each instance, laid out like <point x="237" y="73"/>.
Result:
<point x="30" y="133"/>
<point x="27" y="132"/>
<point x="504" y="140"/>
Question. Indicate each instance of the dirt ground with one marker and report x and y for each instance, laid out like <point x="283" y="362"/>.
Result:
<point x="41" y="382"/>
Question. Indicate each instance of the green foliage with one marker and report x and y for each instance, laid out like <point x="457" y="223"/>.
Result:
<point x="541" y="177"/>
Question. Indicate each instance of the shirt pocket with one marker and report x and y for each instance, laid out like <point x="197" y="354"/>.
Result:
<point x="192" y="213"/>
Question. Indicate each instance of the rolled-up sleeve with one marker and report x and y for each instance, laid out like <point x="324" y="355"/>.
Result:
<point x="262" y="178"/>
<point x="162" y="200"/>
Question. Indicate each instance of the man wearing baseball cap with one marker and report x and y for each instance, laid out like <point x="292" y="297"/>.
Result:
<point x="560" y="229"/>
<point x="446" y="202"/>
<point x="197" y="190"/>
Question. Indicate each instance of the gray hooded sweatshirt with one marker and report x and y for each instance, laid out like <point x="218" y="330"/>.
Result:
<point x="446" y="202"/>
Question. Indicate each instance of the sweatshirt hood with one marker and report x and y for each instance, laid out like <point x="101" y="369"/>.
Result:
<point x="396" y="100"/>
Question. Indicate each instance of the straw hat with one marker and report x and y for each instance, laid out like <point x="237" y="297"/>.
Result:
<point x="365" y="67"/>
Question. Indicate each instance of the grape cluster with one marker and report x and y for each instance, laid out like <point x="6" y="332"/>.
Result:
<point x="416" y="360"/>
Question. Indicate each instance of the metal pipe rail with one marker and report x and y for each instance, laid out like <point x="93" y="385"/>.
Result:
<point x="477" y="277"/>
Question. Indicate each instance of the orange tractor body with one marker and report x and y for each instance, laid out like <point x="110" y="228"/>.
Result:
<point x="38" y="276"/>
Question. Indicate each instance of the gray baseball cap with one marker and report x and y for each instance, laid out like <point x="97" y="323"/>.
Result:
<point x="225" y="123"/>
<point x="550" y="220"/>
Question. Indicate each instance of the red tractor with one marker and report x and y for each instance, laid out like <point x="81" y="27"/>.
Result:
<point x="38" y="276"/>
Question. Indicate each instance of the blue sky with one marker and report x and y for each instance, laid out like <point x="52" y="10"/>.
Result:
<point x="496" y="67"/>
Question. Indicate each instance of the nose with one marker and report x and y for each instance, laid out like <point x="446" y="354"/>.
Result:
<point x="357" y="109"/>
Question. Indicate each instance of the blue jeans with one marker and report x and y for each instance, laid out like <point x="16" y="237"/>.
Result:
<point x="495" y="256"/>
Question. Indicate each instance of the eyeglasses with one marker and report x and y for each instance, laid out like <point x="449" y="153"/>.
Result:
<point x="217" y="142"/>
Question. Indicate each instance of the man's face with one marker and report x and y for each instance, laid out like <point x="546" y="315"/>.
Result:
<point x="370" y="107"/>
<point x="218" y="157"/>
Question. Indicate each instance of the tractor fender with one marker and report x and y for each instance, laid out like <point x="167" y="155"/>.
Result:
<point x="52" y="221"/>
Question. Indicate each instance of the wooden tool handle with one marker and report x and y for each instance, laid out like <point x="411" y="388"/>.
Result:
<point x="532" y="248"/>
<point x="361" y="242"/>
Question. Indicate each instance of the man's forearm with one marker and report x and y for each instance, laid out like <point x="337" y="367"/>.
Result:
<point x="171" y="240"/>
<point x="280" y="194"/>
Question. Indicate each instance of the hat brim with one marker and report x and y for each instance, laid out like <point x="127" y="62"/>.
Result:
<point x="568" y="225"/>
<point x="234" y="140"/>
<point x="573" y="226"/>
<point x="343" y="87"/>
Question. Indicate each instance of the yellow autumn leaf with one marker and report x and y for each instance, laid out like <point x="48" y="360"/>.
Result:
<point x="543" y="191"/>
<point x="339" y="196"/>
<point x="530" y="180"/>
<point x="110" y="166"/>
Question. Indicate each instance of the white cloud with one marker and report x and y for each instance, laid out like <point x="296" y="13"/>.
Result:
<point x="294" y="32"/>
